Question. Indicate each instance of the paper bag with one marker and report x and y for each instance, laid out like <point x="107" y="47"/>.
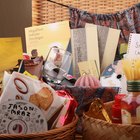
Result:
<point x="20" y="86"/>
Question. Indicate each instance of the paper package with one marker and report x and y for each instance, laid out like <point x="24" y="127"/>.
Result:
<point x="20" y="86"/>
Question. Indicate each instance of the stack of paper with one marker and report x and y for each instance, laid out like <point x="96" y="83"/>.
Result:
<point x="93" y="43"/>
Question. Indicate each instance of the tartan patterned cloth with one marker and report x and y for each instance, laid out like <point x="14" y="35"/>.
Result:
<point x="127" y="21"/>
<point x="84" y="97"/>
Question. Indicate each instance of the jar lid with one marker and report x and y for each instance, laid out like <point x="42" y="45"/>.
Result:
<point x="133" y="85"/>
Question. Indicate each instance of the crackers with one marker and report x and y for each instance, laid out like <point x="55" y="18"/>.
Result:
<point x="43" y="99"/>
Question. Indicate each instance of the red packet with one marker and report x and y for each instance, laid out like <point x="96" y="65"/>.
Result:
<point x="68" y="111"/>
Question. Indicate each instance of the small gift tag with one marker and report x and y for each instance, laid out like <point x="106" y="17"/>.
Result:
<point x="89" y="67"/>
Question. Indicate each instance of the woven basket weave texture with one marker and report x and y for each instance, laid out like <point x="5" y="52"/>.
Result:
<point x="47" y="12"/>
<point x="102" y="130"/>
<point x="66" y="132"/>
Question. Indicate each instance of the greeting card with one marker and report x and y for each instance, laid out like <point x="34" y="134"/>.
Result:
<point x="84" y="44"/>
<point x="10" y="53"/>
<point x="88" y="67"/>
<point x="133" y="46"/>
<point x="44" y="37"/>
<point x="107" y="43"/>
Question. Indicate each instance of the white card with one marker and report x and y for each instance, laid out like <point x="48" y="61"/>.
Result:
<point x="133" y="45"/>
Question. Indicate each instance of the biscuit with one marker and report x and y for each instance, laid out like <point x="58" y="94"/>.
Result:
<point x="33" y="99"/>
<point x="43" y="99"/>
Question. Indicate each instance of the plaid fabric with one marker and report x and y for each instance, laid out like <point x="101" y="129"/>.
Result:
<point x="84" y="96"/>
<point x="127" y="21"/>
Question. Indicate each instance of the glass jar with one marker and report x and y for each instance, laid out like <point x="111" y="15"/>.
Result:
<point x="116" y="109"/>
<point x="130" y="104"/>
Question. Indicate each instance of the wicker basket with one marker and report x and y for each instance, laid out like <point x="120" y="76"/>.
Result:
<point x="66" y="132"/>
<point x="102" y="130"/>
<point x="46" y="12"/>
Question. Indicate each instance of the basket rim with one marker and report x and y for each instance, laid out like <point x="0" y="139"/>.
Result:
<point x="105" y="122"/>
<point x="109" y="130"/>
<point x="46" y="133"/>
<point x="108" y="123"/>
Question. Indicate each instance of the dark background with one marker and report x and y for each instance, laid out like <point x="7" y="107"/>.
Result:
<point x="15" y="15"/>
